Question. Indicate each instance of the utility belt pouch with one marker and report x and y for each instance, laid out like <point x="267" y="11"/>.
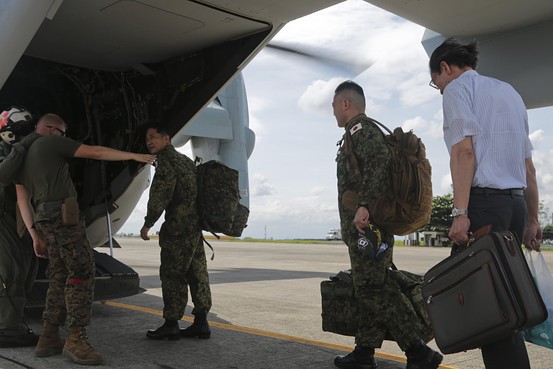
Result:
<point x="70" y="211"/>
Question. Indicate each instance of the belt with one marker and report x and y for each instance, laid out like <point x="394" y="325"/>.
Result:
<point x="49" y="205"/>
<point x="494" y="191"/>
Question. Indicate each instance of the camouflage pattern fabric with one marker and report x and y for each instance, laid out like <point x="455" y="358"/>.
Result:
<point x="411" y="286"/>
<point x="183" y="261"/>
<point x="219" y="199"/>
<point x="372" y="154"/>
<point x="183" y="264"/>
<point x="70" y="268"/>
<point x="340" y="309"/>
<point x="383" y="308"/>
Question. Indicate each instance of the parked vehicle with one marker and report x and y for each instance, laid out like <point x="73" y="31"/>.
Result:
<point x="334" y="235"/>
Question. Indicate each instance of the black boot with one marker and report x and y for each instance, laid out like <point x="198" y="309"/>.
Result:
<point x="360" y="358"/>
<point x="169" y="329"/>
<point x="200" y="327"/>
<point x="420" y="356"/>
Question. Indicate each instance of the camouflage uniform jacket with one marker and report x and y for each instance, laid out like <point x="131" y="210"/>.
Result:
<point x="373" y="155"/>
<point x="174" y="190"/>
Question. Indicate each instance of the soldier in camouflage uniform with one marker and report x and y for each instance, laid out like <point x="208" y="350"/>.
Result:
<point x="44" y="179"/>
<point x="383" y="308"/>
<point x="183" y="261"/>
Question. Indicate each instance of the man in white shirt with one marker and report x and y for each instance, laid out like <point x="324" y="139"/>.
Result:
<point x="494" y="179"/>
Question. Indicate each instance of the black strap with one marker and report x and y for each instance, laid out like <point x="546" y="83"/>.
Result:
<point x="209" y="245"/>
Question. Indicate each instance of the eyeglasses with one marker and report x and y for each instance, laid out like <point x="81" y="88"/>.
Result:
<point x="60" y="131"/>
<point x="433" y="85"/>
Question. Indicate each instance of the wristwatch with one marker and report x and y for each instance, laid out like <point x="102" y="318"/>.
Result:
<point x="456" y="212"/>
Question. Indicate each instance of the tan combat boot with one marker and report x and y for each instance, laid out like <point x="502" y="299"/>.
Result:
<point x="49" y="343"/>
<point x="79" y="350"/>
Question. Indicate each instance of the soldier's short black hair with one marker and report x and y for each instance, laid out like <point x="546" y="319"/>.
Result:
<point x="162" y="130"/>
<point x="349" y="85"/>
<point x="454" y="53"/>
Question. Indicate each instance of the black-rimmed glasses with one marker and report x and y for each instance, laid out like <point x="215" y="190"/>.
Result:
<point x="433" y="85"/>
<point x="60" y="131"/>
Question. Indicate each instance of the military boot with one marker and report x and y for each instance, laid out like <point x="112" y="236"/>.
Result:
<point x="199" y="328"/>
<point x="170" y="330"/>
<point x="420" y="356"/>
<point x="79" y="350"/>
<point x="360" y="358"/>
<point x="49" y="343"/>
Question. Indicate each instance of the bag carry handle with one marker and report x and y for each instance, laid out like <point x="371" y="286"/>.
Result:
<point x="472" y="237"/>
<point x="479" y="233"/>
<point x="510" y="240"/>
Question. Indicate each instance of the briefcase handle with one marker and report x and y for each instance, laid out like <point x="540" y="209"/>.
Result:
<point x="472" y="237"/>
<point x="479" y="233"/>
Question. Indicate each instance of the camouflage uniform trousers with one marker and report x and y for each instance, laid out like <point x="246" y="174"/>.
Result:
<point x="183" y="264"/>
<point x="70" y="270"/>
<point x="382" y="307"/>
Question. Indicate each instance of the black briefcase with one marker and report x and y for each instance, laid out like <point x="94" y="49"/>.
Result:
<point x="481" y="294"/>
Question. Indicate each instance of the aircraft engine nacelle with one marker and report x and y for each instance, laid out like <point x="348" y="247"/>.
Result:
<point x="220" y="132"/>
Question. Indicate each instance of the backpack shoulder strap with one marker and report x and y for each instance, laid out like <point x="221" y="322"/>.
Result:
<point x="349" y="151"/>
<point x="380" y="124"/>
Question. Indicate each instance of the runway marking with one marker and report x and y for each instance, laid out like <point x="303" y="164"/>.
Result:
<point x="259" y="332"/>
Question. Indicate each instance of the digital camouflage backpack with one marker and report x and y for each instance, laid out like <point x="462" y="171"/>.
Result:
<point x="340" y="310"/>
<point x="406" y="203"/>
<point x="219" y="199"/>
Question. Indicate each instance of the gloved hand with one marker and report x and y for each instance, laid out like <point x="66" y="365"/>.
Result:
<point x="27" y="141"/>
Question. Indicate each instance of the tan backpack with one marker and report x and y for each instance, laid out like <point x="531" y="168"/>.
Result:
<point x="406" y="203"/>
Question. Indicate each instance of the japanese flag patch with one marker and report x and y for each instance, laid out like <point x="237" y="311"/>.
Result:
<point x="355" y="128"/>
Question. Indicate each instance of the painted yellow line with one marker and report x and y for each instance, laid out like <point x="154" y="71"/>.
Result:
<point x="259" y="332"/>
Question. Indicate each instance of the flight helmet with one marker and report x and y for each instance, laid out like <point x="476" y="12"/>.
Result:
<point x="15" y="123"/>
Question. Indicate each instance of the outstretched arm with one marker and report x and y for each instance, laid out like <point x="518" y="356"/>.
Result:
<point x="107" y="153"/>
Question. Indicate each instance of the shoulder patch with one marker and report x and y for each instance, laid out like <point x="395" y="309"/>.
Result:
<point x="355" y="128"/>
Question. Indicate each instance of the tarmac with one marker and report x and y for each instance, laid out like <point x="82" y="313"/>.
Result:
<point x="266" y="313"/>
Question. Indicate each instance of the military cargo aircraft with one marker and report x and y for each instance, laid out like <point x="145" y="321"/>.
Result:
<point x="109" y="66"/>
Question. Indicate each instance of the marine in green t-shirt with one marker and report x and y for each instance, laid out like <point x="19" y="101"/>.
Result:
<point x="45" y="173"/>
<point x="45" y="180"/>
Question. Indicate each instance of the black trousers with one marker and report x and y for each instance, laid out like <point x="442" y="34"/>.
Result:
<point x="504" y="211"/>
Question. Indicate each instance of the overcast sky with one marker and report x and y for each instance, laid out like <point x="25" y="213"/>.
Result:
<point x="292" y="169"/>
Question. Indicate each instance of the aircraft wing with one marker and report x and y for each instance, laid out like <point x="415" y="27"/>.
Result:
<point x="514" y="37"/>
